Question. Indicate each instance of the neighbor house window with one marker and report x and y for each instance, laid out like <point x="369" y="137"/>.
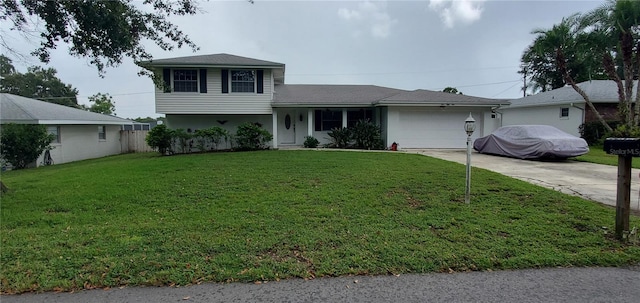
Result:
<point x="185" y="80"/>
<point x="243" y="81"/>
<point x="102" y="132"/>
<point x="564" y="112"/>
<point x="353" y="116"/>
<point x="55" y="131"/>
<point x="328" y="119"/>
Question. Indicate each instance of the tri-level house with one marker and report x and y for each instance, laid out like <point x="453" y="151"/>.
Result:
<point x="226" y="90"/>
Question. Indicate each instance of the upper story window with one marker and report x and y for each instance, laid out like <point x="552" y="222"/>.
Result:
<point x="185" y="80"/>
<point x="243" y="81"/>
<point x="55" y="131"/>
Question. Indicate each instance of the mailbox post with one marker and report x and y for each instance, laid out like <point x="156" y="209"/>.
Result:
<point x="626" y="149"/>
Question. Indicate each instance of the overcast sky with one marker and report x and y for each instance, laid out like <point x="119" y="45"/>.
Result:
<point x="474" y="46"/>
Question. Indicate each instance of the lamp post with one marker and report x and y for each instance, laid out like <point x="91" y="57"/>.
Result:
<point x="469" y="127"/>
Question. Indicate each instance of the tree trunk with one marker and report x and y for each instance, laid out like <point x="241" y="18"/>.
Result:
<point x="624" y="107"/>
<point x="636" y="118"/>
<point x="3" y="188"/>
<point x="560" y="62"/>
<point x="627" y="60"/>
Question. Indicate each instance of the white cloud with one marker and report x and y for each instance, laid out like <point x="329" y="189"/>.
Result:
<point x="373" y="15"/>
<point x="348" y="14"/>
<point x="453" y="12"/>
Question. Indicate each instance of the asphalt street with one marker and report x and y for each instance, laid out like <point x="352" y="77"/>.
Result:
<point x="534" y="285"/>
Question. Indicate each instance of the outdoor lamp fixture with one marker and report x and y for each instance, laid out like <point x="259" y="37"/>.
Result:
<point x="469" y="127"/>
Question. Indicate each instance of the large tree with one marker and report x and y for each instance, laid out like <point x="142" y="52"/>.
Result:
<point x="538" y="62"/>
<point x="105" y="32"/>
<point x="102" y="104"/>
<point x="608" y="36"/>
<point x="37" y="83"/>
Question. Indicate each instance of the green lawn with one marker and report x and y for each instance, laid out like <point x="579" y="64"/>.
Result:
<point x="597" y="155"/>
<point x="141" y="219"/>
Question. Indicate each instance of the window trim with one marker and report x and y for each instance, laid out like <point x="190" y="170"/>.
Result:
<point x="365" y="111"/>
<point x="562" y="110"/>
<point x="321" y="122"/>
<point x="197" y="80"/>
<point x="56" y="140"/>
<point x="102" y="135"/>
<point x="231" y="81"/>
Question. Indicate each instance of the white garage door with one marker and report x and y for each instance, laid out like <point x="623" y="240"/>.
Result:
<point x="433" y="129"/>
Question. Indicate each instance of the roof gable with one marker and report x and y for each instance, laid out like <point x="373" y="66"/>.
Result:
<point x="17" y="109"/>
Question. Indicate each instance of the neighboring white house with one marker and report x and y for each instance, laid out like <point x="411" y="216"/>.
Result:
<point x="79" y="134"/>
<point x="563" y="107"/>
<point x="226" y="90"/>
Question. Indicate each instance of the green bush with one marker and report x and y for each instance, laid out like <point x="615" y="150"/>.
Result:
<point x="250" y="136"/>
<point x="594" y="133"/>
<point x="310" y="142"/>
<point x="339" y="137"/>
<point x="181" y="138"/>
<point x="210" y="137"/>
<point x="22" y="144"/>
<point x="160" y="137"/>
<point x="366" y="135"/>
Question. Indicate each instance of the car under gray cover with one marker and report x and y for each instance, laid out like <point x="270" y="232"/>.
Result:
<point x="531" y="142"/>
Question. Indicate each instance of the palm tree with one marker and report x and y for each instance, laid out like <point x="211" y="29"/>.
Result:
<point x="617" y="24"/>
<point x="605" y="39"/>
<point x="565" y="44"/>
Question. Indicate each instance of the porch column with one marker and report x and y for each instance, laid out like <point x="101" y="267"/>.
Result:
<point x="274" y="115"/>
<point x="344" y="117"/>
<point x="310" y="123"/>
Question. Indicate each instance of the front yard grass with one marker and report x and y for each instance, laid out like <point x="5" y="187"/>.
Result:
<point x="141" y="219"/>
<point x="597" y="155"/>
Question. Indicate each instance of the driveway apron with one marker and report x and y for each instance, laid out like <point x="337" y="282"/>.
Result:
<point x="590" y="181"/>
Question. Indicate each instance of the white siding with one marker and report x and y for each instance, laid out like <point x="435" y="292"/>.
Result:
<point x="214" y="101"/>
<point x="419" y="127"/>
<point x="544" y="115"/>
<point x="80" y="142"/>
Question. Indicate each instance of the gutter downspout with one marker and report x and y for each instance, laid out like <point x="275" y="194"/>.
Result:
<point x="495" y="110"/>
<point x="583" y="113"/>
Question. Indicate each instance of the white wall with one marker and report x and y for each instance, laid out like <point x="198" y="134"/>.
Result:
<point x="80" y="142"/>
<point x="544" y="115"/>
<point x="214" y="101"/>
<point x="432" y="127"/>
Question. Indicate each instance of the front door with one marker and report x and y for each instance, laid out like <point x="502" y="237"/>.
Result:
<point x="288" y="127"/>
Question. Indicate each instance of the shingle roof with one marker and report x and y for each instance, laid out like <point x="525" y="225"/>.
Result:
<point x="599" y="91"/>
<point x="369" y="95"/>
<point x="17" y="109"/>
<point x="428" y="97"/>
<point x="330" y="95"/>
<point x="212" y="60"/>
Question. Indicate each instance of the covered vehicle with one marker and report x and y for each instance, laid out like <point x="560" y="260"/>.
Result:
<point x="531" y="142"/>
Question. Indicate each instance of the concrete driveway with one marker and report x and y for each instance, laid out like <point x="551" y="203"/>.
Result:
<point x="594" y="182"/>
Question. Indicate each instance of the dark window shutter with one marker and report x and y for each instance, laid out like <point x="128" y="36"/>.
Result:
<point x="318" y="120"/>
<point x="203" y="81"/>
<point x="259" y="81"/>
<point x="166" y="76"/>
<point x="225" y="81"/>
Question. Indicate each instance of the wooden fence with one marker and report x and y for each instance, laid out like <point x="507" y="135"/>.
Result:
<point x="133" y="141"/>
